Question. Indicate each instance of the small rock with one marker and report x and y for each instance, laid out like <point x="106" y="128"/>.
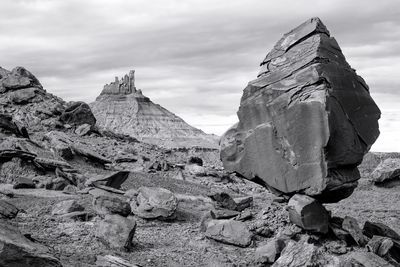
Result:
<point x="375" y="228"/>
<point x="244" y="216"/>
<point x="107" y="204"/>
<point x="117" y="231"/>
<point x="387" y="173"/>
<point x="308" y="213"/>
<point x="83" y="129"/>
<point x="366" y="259"/>
<point x="299" y="254"/>
<point x="195" y="160"/>
<point x="243" y="203"/>
<point x="70" y="189"/>
<point x="269" y="252"/>
<point x="154" y="203"/>
<point x="229" y="232"/>
<point x="351" y="226"/>
<point x="7" y="210"/>
<point x="17" y="250"/>
<point x="205" y="219"/>
<point x="66" y="206"/>
<point x="196" y="170"/>
<point x="23" y="183"/>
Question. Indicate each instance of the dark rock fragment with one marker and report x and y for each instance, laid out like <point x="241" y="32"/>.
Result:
<point x="78" y="113"/>
<point x="375" y="228"/>
<point x="351" y="226"/>
<point x="308" y="213"/>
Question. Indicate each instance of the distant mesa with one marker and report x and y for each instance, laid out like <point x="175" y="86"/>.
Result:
<point x="122" y="108"/>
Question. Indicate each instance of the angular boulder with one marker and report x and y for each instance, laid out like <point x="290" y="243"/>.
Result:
<point x="18" y="251"/>
<point x="351" y="226"/>
<point x="229" y="232"/>
<point x="66" y="206"/>
<point x="117" y="231"/>
<point x="154" y="203"/>
<point x="307" y="120"/>
<point x="387" y="173"/>
<point x="107" y="204"/>
<point x="16" y="79"/>
<point x="78" y="113"/>
<point x="376" y="228"/>
<point x="307" y="213"/>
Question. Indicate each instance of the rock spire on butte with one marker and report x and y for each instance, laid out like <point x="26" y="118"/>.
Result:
<point x="122" y="108"/>
<point x="306" y="121"/>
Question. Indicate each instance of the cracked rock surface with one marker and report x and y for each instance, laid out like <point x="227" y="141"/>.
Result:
<point x="307" y="120"/>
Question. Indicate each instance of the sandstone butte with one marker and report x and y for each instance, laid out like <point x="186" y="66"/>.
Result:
<point x="124" y="109"/>
<point x="306" y="121"/>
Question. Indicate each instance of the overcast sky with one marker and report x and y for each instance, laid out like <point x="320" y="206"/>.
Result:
<point x="194" y="57"/>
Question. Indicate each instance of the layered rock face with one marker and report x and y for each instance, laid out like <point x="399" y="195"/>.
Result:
<point x="124" y="109"/>
<point x="22" y="95"/>
<point x="307" y="120"/>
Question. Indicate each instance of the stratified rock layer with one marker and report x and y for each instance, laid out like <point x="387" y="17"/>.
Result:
<point x="123" y="109"/>
<point x="306" y="122"/>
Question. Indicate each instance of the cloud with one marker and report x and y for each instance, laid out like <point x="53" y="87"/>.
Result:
<point x="194" y="57"/>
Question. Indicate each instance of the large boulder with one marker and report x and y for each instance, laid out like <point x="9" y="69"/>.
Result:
<point x="78" y="113"/>
<point x="18" y="251"/>
<point x="307" y="120"/>
<point x="18" y="78"/>
<point x="154" y="203"/>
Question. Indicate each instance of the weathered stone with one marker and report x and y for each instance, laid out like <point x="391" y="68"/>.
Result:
<point x="387" y="173"/>
<point x="7" y="210"/>
<point x="244" y="216"/>
<point x="18" y="78"/>
<point x="18" y="251"/>
<point x="117" y="231"/>
<point x="335" y="224"/>
<point x="114" y="180"/>
<point x="195" y="160"/>
<point x="380" y="245"/>
<point x="154" y="202"/>
<point x="83" y="129"/>
<point x="308" y="213"/>
<point x="7" y="126"/>
<point x="113" y="261"/>
<point x="269" y="252"/>
<point x="78" y="113"/>
<point x="51" y="164"/>
<point x="243" y="203"/>
<point x="306" y="122"/>
<point x="122" y="109"/>
<point x="196" y="170"/>
<point x="375" y="228"/>
<point x="23" y="183"/>
<point x="23" y="96"/>
<point x="111" y="205"/>
<point x="351" y="226"/>
<point x="223" y="214"/>
<point x="66" y="206"/>
<point x="302" y="254"/>
<point x="229" y="232"/>
<point x="366" y="259"/>
<point x="225" y="201"/>
<point x="7" y="154"/>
